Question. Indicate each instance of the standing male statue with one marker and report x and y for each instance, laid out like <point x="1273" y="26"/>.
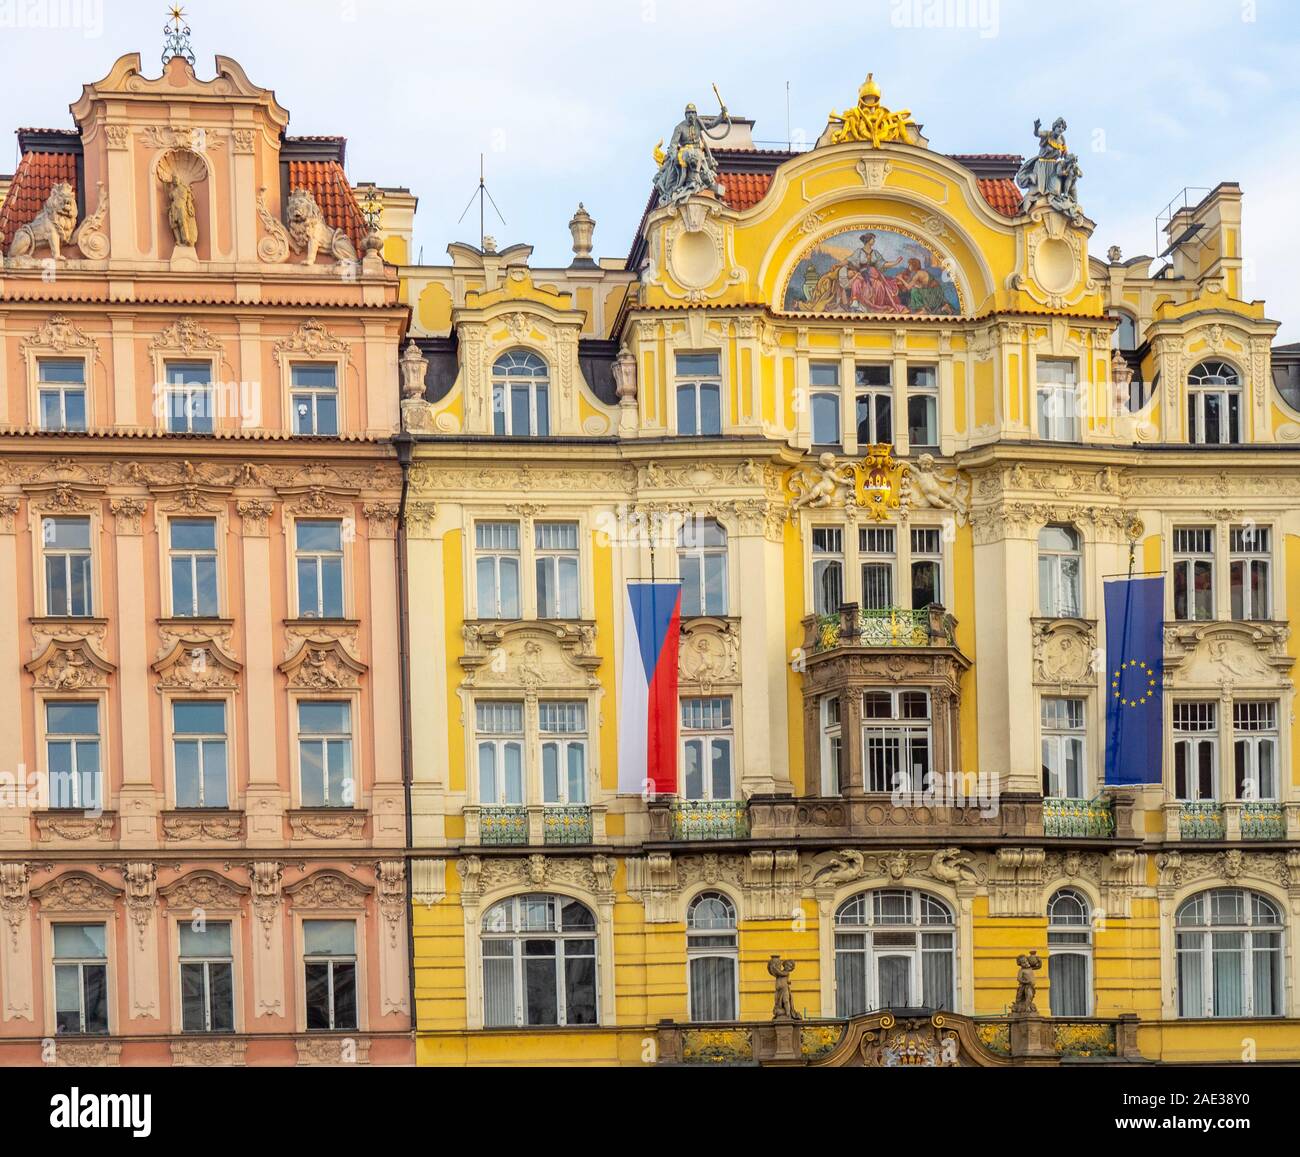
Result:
<point x="181" y="215"/>
<point x="688" y="166"/>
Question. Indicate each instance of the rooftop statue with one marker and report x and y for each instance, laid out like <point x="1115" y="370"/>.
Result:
<point x="51" y="227"/>
<point x="871" y="121"/>
<point x="1053" y="175"/>
<point x="688" y="166"/>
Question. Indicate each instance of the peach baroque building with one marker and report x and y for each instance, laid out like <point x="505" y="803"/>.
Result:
<point x="202" y="829"/>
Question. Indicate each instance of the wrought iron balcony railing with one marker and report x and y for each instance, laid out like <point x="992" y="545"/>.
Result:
<point x="709" y="819"/>
<point x="1202" y="820"/>
<point x="1078" y="817"/>
<point x="503" y="825"/>
<point x="568" y="824"/>
<point x="854" y="626"/>
<point x="1262" y="821"/>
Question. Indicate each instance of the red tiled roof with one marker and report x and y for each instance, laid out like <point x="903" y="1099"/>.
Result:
<point x="744" y="190"/>
<point x="1002" y="194"/>
<point x="326" y="181"/>
<point x="37" y="174"/>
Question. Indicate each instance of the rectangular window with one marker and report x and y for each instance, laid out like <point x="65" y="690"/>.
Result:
<point x="193" y="557"/>
<point x="876" y="551"/>
<point x="314" y="396"/>
<point x="699" y="395"/>
<point x="707" y="748"/>
<point x="1213" y="416"/>
<point x="72" y="754"/>
<point x="832" y="744"/>
<point x="874" y="404"/>
<point x="199" y="748"/>
<point x="1196" y="745"/>
<point x="62" y="389"/>
<point x="496" y="569"/>
<point x="191" y="404"/>
<point x="207" y="977"/>
<point x="828" y="569"/>
<point x="500" y="739"/>
<point x="329" y="950"/>
<point x="1063" y="735"/>
<point x="319" y="558"/>
<point x="564" y="752"/>
<point x="66" y="546"/>
<point x="927" y="566"/>
<point x="824" y="379"/>
<point x="702" y="566"/>
<point x="325" y="754"/>
<point x="1194" y="572"/>
<point x="1248" y="571"/>
<point x="1058" y="400"/>
<point x="923" y="407"/>
<point x="1255" y="749"/>
<point x="896" y="740"/>
<point x="80" y="979"/>
<point x="556" y="544"/>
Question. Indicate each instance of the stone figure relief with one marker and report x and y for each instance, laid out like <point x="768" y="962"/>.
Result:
<point x="309" y="232"/>
<point x="52" y="227"/>
<point x="1026" y="984"/>
<point x="818" y="486"/>
<point x="940" y="489"/>
<point x="688" y="166"/>
<point x="783" y="1005"/>
<point x="179" y="170"/>
<point x="1053" y="174"/>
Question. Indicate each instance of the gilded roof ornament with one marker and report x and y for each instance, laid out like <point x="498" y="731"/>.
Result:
<point x="870" y="121"/>
<point x="176" y="36"/>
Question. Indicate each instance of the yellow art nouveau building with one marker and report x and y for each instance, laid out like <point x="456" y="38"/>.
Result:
<point x="891" y="420"/>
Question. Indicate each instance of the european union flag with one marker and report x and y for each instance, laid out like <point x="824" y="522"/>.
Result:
<point x="1135" y="658"/>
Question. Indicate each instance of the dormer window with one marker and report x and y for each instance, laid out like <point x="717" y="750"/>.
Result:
<point x="699" y="395"/>
<point x="520" y="396"/>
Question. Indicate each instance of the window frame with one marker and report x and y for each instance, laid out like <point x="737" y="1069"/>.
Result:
<point x="170" y="556"/>
<point x="830" y="560"/>
<point x="231" y="920"/>
<point x="1058" y="608"/>
<point x="356" y="959"/>
<point x="1082" y="948"/>
<point x="170" y="702"/>
<point x="823" y="392"/>
<point x="105" y="922"/>
<point x="697" y="949"/>
<point x="1250" y="560"/>
<point x="501" y="382"/>
<point x="874" y="393"/>
<point x="297" y="554"/>
<point x="45" y="555"/>
<point x="900" y="730"/>
<point x="313" y="393"/>
<point x="1187" y="562"/>
<point x="564" y="742"/>
<point x="1193" y="740"/>
<point x="1207" y="931"/>
<point x="702" y="553"/>
<point x="43" y="703"/>
<point x="1250" y="740"/>
<point x="553" y="558"/>
<point x="1064" y="396"/>
<point x="1229" y="393"/>
<point x="1056" y="737"/>
<point x="170" y="390"/>
<point x="497" y="554"/>
<point x="933" y="558"/>
<point x="694" y="384"/>
<point x="929" y="393"/>
<point x="354" y="748"/>
<point x="711" y="738"/>
<point x="41" y="387"/>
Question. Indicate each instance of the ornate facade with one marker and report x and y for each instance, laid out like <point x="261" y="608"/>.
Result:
<point x="891" y="420"/>
<point x="202" y="840"/>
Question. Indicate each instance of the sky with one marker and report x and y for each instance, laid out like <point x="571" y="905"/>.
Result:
<point x="566" y="98"/>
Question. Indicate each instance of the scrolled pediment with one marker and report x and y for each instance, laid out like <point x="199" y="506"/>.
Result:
<point x="328" y="888"/>
<point x="1226" y="654"/>
<point x="203" y="889"/>
<point x="77" y="892"/>
<point x="70" y="664"/>
<point x="322" y="664"/>
<point x="197" y="663"/>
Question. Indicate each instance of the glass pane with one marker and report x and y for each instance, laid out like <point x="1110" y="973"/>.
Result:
<point x="686" y="423"/>
<point x="697" y="365"/>
<point x="198" y="718"/>
<point x="67" y="998"/>
<point x="722" y="769"/>
<point x="312" y="376"/>
<point x="79" y="941"/>
<point x="72" y="718"/>
<point x="710" y="410"/>
<point x="94" y="979"/>
<point x="74" y="410"/>
<point x="498" y="990"/>
<point x="329" y="937"/>
<point x="487" y="775"/>
<point x="214" y="775"/>
<point x="520" y="415"/>
<point x="340" y="788"/>
<point x="825" y="419"/>
<point x="332" y="588"/>
<point x="540" y="997"/>
<point x="894" y="974"/>
<point x="221" y="997"/>
<point x="211" y="940"/>
<point x="1227" y="967"/>
<point x="542" y="405"/>
<point x="509" y="570"/>
<point x="308" y="589"/>
<point x="694" y="751"/>
<point x="551" y="772"/>
<point x="187" y="773"/>
<point x="327" y="414"/>
<point x="485" y="571"/>
<point x="317" y="977"/>
<point x="324" y="718"/>
<point x="579" y="987"/>
<point x="577" y="755"/>
<point x="345" y="996"/>
<point x="715" y="584"/>
<point x="319" y="536"/>
<point x="514" y="773"/>
<point x="193" y="1002"/>
<point x="692" y="590"/>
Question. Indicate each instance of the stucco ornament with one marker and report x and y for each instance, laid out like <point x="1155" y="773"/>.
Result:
<point x="1053" y="175"/>
<point x="52" y="227"/>
<point x="820" y="486"/>
<point x="688" y="166"/>
<point x="941" y="489"/>
<point x="309" y="232"/>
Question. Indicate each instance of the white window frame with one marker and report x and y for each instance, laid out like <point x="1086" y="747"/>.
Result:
<point x="75" y="739"/>
<point x="170" y="391"/>
<point x="1186" y="560"/>
<point x="1057" y="737"/>
<point x="822" y="561"/>
<point x="62" y="389"/>
<point x="1254" y="729"/>
<point x="823" y="392"/>
<point x="692" y="385"/>
<point x="710" y="738"/>
<point x="174" y="555"/>
<point x="1057" y="406"/>
<point x="67" y="554"/>
<point x="901" y="734"/>
<point x="312" y="395"/>
<point x="1250" y="549"/>
<point x="873" y="391"/>
<point x="929" y="392"/>
<point x="202" y="739"/>
<point x="498" y="742"/>
<point x="1206" y="930"/>
<point x="321" y="557"/>
<point x="1200" y="387"/>
<point x="495" y="554"/>
<point x="563" y="741"/>
<point x="206" y="961"/>
<point x="690" y="546"/>
<point x="538" y="384"/>
<point x="697" y="948"/>
<point x="554" y="560"/>
<point x="355" y="959"/>
<point x="830" y="713"/>
<point x="878" y="549"/>
<point x="1073" y="937"/>
<point x="325" y="739"/>
<point x="1192" y="737"/>
<point x="80" y="963"/>
<point x="926" y="556"/>
<point x="1051" y="603"/>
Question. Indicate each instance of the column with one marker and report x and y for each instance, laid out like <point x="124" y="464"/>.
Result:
<point x="140" y="796"/>
<point x="14" y="819"/>
<point x="264" y="796"/>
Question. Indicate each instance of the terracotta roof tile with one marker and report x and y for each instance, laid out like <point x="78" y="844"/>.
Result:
<point x="1003" y="195"/>
<point x="326" y="181"/>
<point x="744" y="190"/>
<point x="37" y="174"/>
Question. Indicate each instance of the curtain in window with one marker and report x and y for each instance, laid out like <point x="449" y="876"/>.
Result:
<point x="1266" y="968"/>
<point x="713" y="988"/>
<point x="1228" y="970"/>
<point x="1191" y="971"/>
<point x="894" y="974"/>
<point x="1067" y="973"/>
<point x="850" y="979"/>
<point x="936" y="971"/>
<point x="498" y="984"/>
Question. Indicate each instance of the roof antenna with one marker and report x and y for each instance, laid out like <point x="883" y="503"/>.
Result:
<point x="483" y="195"/>
<point x="789" y="135"/>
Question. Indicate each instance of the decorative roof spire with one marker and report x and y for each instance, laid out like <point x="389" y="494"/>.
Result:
<point x="176" y="36"/>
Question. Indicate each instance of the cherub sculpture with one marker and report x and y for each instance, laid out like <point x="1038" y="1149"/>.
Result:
<point x="783" y="1006"/>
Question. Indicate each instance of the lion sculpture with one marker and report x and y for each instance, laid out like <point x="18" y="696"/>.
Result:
<point x="309" y="232"/>
<point x="52" y="226"/>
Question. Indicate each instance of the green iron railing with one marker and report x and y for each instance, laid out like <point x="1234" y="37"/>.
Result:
<point x="570" y="824"/>
<point x="1078" y="817"/>
<point x="1262" y="821"/>
<point x="887" y="627"/>
<point x="710" y="819"/>
<point x="1202" y="820"/>
<point x="503" y="825"/>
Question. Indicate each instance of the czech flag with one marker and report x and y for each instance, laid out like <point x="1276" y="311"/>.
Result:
<point x="1135" y="657"/>
<point x="647" y="718"/>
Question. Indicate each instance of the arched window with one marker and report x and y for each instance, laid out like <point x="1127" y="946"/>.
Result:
<point x="894" y="948"/>
<point x="539" y="962"/>
<point x="1213" y="404"/>
<point x="520" y="395"/>
<point x="711" y="957"/>
<point x="1060" y="572"/>
<point x="1069" y="963"/>
<point x="1229" y="944"/>
<point x="1125" y="336"/>
<point x="702" y="565"/>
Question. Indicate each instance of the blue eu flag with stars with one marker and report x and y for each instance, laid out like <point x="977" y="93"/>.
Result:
<point x="1135" y="662"/>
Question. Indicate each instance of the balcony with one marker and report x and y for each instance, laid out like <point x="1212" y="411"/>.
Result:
<point x="1232" y="820"/>
<point x="1079" y="818"/>
<point x="886" y="627"/>
<point x="698" y="819"/>
<point x="1263" y="821"/>
<point x="1203" y="820"/>
<point x="570" y="824"/>
<point x="531" y="825"/>
<point x="503" y="826"/>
